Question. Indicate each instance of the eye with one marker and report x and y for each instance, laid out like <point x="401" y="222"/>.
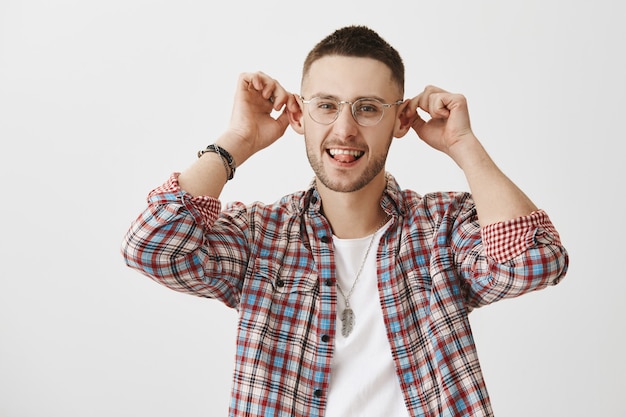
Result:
<point x="370" y="107"/>
<point x="326" y="104"/>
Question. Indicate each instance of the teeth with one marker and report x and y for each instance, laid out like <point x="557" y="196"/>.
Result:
<point x="334" y="152"/>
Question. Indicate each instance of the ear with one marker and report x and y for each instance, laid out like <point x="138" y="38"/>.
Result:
<point x="403" y="123"/>
<point x="295" y="119"/>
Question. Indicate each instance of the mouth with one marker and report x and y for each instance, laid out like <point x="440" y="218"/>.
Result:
<point x="344" y="155"/>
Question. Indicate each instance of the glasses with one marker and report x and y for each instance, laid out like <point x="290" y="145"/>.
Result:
<point x="366" y="111"/>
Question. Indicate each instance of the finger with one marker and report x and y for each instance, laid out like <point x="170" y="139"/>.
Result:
<point x="427" y="98"/>
<point x="412" y="110"/>
<point x="271" y="89"/>
<point x="259" y="82"/>
<point x="411" y="105"/>
<point x="250" y="80"/>
<point x="279" y="97"/>
<point x="292" y="103"/>
<point x="408" y="110"/>
<point x="438" y="105"/>
<point x="283" y="120"/>
<point x="430" y="90"/>
<point x="262" y="86"/>
<point x="418" y="123"/>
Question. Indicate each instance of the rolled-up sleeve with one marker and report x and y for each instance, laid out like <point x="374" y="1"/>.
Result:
<point x="519" y="255"/>
<point x="169" y="243"/>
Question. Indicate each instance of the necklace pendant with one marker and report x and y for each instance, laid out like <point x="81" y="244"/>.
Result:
<point x="347" y="322"/>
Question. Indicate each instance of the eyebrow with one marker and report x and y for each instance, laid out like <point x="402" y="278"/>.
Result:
<point x="326" y="95"/>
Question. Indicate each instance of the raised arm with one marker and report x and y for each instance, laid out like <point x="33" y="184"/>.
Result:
<point x="497" y="198"/>
<point x="182" y="239"/>
<point x="251" y="129"/>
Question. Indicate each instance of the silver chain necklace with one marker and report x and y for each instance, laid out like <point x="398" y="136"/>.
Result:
<point x="347" y="316"/>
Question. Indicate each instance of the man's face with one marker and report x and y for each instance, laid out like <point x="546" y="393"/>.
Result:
<point x="344" y="155"/>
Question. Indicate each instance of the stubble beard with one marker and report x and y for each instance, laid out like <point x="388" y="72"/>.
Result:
<point x="374" y="167"/>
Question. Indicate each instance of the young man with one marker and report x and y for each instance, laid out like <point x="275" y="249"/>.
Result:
<point x="353" y="295"/>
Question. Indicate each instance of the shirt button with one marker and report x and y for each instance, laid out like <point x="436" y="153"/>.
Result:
<point x="325" y="239"/>
<point x="313" y="200"/>
<point x="280" y="283"/>
<point x="329" y="282"/>
<point x="317" y="393"/>
<point x="325" y="338"/>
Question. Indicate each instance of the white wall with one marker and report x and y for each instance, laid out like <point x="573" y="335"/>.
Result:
<point x="100" y="101"/>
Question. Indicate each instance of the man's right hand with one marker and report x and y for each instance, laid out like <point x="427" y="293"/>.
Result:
<point x="252" y="126"/>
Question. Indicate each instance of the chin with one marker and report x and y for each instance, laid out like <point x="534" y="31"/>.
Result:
<point x="345" y="186"/>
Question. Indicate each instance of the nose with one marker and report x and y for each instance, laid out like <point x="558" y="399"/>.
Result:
<point x="345" y="122"/>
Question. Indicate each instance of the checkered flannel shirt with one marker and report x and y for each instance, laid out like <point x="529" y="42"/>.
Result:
<point x="274" y="263"/>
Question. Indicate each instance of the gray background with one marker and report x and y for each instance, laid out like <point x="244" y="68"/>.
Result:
<point x="101" y="101"/>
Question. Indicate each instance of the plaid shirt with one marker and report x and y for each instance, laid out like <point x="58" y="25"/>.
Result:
<point x="274" y="264"/>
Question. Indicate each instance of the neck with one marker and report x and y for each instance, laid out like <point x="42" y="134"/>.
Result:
<point x="355" y="214"/>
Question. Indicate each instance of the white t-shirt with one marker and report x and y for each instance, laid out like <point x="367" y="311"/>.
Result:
<point x="363" y="381"/>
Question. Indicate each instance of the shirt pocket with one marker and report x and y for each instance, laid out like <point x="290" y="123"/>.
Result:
<point x="285" y="279"/>
<point x="290" y="301"/>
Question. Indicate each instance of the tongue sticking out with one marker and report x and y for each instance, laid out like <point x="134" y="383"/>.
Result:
<point x="345" y="158"/>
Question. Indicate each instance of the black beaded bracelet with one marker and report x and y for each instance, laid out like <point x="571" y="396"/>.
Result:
<point x="227" y="159"/>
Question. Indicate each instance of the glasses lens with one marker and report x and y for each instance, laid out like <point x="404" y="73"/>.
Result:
<point x="368" y="111"/>
<point x="323" y="110"/>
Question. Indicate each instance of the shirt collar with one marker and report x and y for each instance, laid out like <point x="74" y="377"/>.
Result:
<point x="391" y="201"/>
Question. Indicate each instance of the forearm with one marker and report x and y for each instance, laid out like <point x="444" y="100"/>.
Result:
<point x="208" y="175"/>
<point x="496" y="197"/>
<point x="251" y="129"/>
<point x="205" y="177"/>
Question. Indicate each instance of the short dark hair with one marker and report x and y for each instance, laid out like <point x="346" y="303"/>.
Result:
<point x="358" y="41"/>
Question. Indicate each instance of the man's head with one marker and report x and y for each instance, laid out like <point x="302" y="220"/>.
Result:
<point x="351" y="107"/>
<point x="362" y="42"/>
